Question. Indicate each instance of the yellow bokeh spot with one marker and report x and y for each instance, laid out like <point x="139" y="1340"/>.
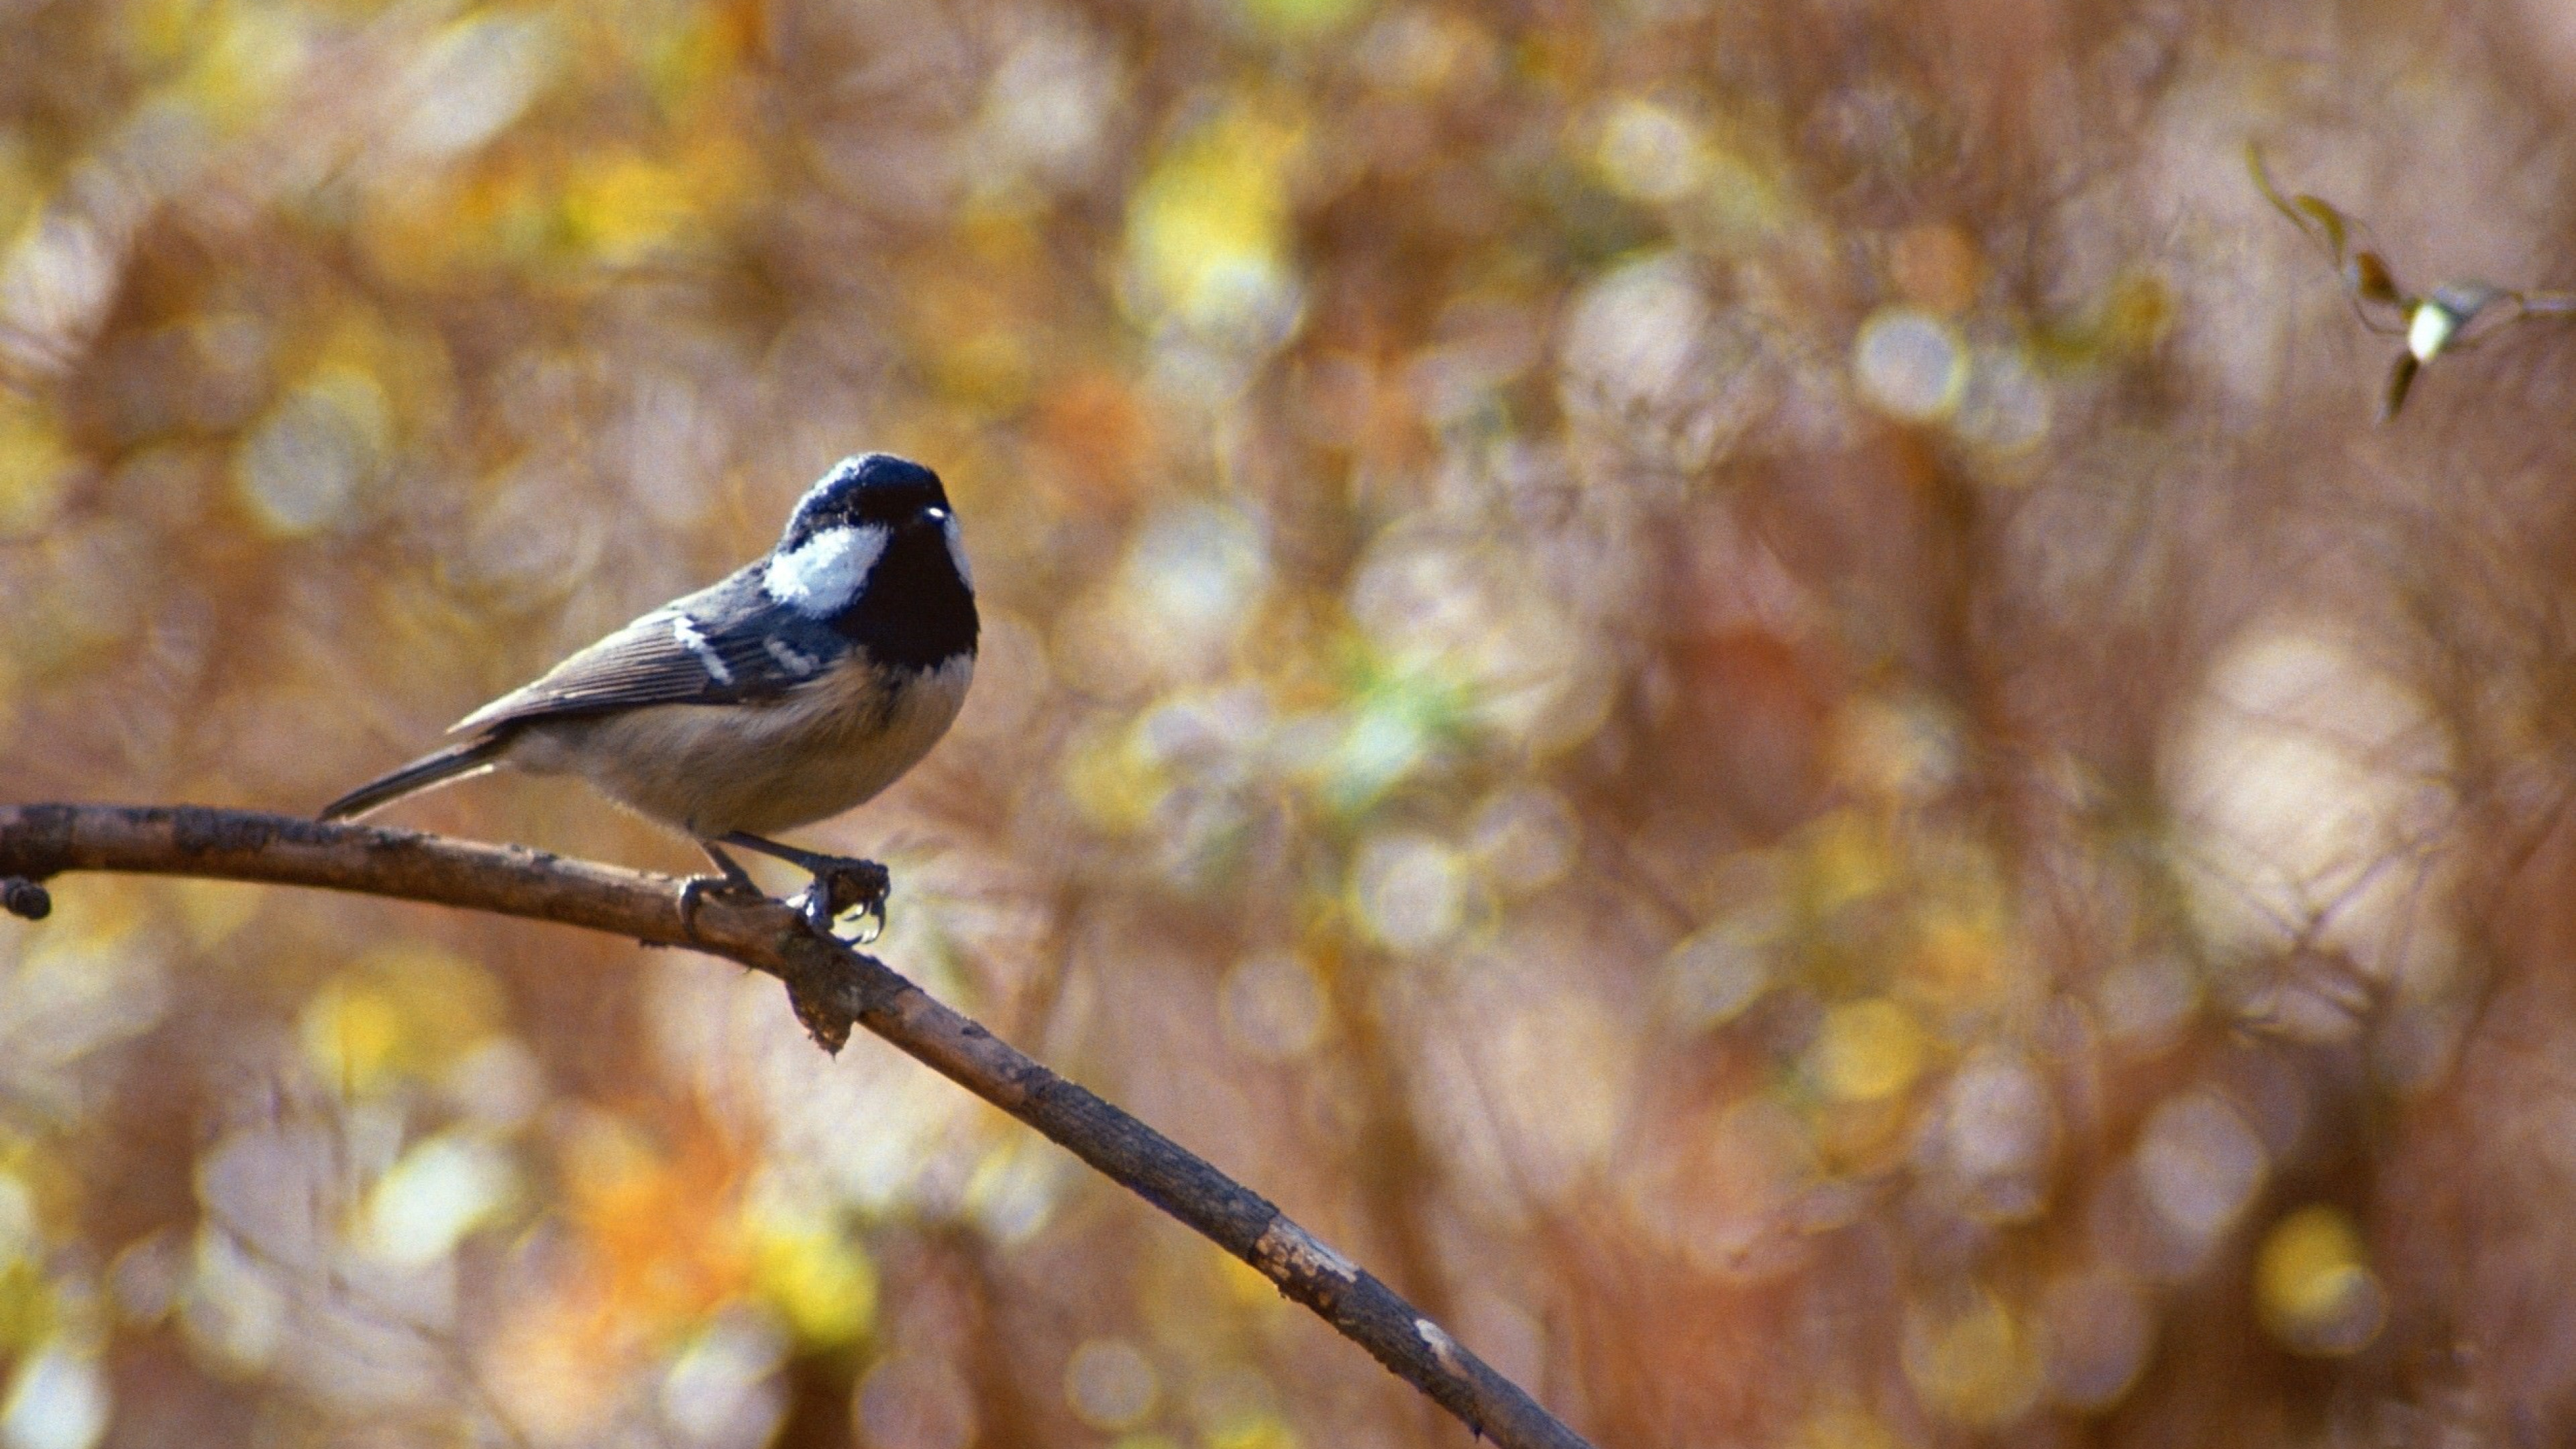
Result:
<point x="1859" y="1138"/>
<point x="1869" y="1051"/>
<point x="820" y="1279"/>
<point x="1244" y="1283"/>
<point x="212" y="910"/>
<point x="624" y="209"/>
<point x="1209" y="230"/>
<point x="353" y="391"/>
<point x="448" y="1001"/>
<point x="1843" y="1426"/>
<point x="2138" y="312"/>
<point x="36" y="466"/>
<point x="1892" y="750"/>
<point x="1975" y="1367"/>
<point x="162" y="31"/>
<point x="352" y="1035"/>
<point x="2314" y="1286"/>
<point x="400" y="367"/>
<point x="1845" y="862"/>
<point x="1652" y="153"/>
<point x="1301" y="18"/>
<point x="695" y="61"/>
<point x="98" y="920"/>
<point x="28" y="1311"/>
<point x="245" y="57"/>
<point x="1267" y="1431"/>
<point x="1114" y="781"/>
<point x="21" y="186"/>
<point x="405" y="1009"/>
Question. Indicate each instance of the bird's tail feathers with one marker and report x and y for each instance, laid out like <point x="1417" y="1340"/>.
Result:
<point x="469" y="757"/>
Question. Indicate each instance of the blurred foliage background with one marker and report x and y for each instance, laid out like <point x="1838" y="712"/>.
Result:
<point x="1737" y="685"/>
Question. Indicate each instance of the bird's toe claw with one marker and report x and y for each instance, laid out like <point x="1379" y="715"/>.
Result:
<point x="698" y="887"/>
<point x="842" y="885"/>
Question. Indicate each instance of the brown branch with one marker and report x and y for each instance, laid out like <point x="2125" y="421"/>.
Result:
<point x="830" y="986"/>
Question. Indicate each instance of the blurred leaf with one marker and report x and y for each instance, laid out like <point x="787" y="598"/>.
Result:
<point x="820" y="1278"/>
<point x="256" y="50"/>
<point x="1303" y="18"/>
<point x="1208" y="228"/>
<point x="2314" y="1286"/>
<point x="1972" y="1364"/>
<point x="1869" y="1050"/>
<point x="624" y="209"/>
<point x="36" y="468"/>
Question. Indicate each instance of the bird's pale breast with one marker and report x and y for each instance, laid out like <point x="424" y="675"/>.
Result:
<point x="827" y="747"/>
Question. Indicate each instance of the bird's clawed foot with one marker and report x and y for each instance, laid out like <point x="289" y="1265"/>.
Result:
<point x="734" y="884"/>
<point x="841" y="883"/>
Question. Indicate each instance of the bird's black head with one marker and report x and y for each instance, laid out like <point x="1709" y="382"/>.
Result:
<point x="874" y="553"/>
<point x="870" y="489"/>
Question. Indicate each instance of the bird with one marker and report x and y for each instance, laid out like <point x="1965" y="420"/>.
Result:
<point x="797" y="687"/>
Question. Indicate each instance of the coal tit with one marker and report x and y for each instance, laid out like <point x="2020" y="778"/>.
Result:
<point x="798" y="687"/>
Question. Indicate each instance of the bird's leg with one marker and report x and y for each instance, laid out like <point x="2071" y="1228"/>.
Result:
<point x="735" y="881"/>
<point x="841" y="883"/>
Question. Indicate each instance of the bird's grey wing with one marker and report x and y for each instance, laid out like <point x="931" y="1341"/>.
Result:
<point x="703" y="649"/>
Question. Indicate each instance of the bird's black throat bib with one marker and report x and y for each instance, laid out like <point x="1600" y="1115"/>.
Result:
<point x="935" y="619"/>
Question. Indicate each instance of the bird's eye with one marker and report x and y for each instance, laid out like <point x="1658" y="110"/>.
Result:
<point x="935" y="515"/>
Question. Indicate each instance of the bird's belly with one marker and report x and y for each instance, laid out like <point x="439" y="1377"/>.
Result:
<point x="710" y="769"/>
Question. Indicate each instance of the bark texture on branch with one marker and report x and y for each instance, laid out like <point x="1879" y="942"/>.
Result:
<point x="831" y="987"/>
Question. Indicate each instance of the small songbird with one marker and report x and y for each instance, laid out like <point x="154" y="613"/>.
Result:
<point x="798" y="687"/>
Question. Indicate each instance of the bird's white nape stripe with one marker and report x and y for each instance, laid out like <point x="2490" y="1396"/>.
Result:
<point x="956" y="548"/>
<point x="684" y="632"/>
<point x="820" y="576"/>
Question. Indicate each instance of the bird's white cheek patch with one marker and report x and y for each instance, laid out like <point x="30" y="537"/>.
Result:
<point x="957" y="550"/>
<point x="821" y="575"/>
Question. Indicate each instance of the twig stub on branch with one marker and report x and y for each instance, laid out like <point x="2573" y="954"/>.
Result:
<point x="22" y="897"/>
